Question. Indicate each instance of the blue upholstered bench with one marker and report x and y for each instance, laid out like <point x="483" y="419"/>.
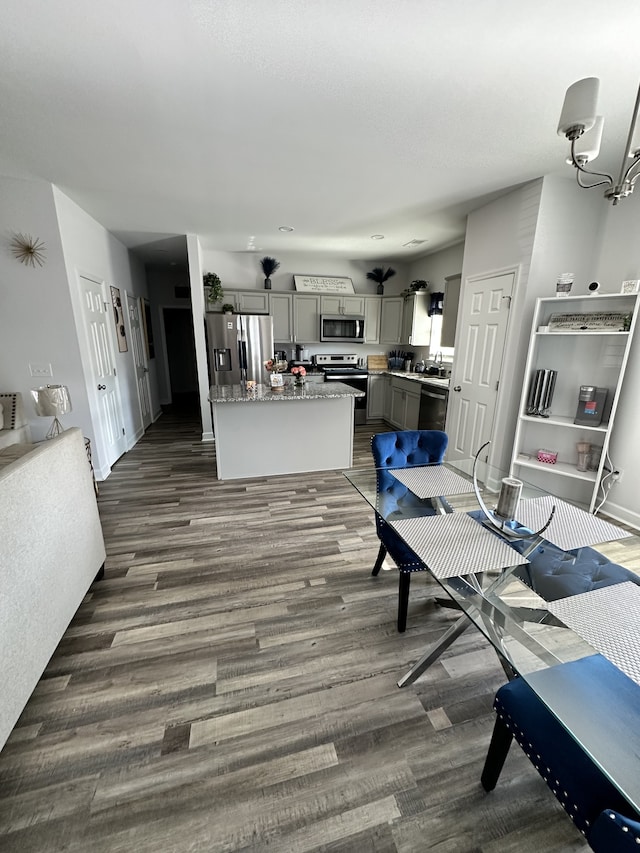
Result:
<point x="595" y="805"/>
<point x="554" y="574"/>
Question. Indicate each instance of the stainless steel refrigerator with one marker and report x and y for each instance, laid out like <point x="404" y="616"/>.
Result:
<point x="238" y="345"/>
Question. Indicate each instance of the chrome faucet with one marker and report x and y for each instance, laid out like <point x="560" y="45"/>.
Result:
<point x="438" y="359"/>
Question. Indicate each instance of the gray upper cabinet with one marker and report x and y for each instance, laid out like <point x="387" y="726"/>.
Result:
<point x="372" y="306"/>
<point x="452" y="287"/>
<point x="335" y="304"/>
<point x="281" y="309"/>
<point x="252" y="301"/>
<point x="306" y="318"/>
<point x="391" y="319"/>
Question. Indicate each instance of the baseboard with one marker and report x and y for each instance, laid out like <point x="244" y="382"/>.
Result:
<point x="101" y="473"/>
<point x="619" y="513"/>
<point x="136" y="438"/>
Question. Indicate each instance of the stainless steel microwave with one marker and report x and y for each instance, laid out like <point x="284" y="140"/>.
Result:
<point x="342" y="328"/>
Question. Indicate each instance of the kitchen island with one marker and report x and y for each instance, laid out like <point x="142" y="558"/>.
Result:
<point x="260" y="432"/>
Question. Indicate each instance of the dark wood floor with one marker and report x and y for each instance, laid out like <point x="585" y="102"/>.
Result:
<point x="231" y="685"/>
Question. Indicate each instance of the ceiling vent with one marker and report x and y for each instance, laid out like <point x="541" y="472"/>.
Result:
<point x="413" y="243"/>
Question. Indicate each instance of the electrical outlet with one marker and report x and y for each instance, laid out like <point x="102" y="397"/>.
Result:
<point x="41" y="370"/>
<point x="617" y="476"/>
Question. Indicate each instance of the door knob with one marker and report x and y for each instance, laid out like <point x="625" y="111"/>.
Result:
<point x="457" y="388"/>
<point x="102" y="387"/>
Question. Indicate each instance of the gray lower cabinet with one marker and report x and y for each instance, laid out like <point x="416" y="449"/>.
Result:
<point x="377" y="388"/>
<point x="405" y="403"/>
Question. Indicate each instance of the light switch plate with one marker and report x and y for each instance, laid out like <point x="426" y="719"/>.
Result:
<point x="41" y="370"/>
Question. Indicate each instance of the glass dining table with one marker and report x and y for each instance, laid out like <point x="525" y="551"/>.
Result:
<point x="495" y="571"/>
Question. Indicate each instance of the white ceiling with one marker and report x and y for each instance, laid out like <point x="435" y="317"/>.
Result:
<point x="340" y="118"/>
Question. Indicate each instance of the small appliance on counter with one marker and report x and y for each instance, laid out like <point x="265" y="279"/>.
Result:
<point x="591" y="405"/>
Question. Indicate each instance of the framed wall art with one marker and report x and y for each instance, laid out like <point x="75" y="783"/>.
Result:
<point x="323" y="284"/>
<point x="118" y="316"/>
<point x="630" y="286"/>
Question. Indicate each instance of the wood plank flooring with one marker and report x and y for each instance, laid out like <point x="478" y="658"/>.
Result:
<point x="231" y="685"/>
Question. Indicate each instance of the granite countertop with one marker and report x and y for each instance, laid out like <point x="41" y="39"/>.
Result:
<point x="265" y="394"/>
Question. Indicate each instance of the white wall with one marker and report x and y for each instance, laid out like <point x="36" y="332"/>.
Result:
<point x="38" y="305"/>
<point x="436" y="267"/>
<point x="541" y="229"/>
<point x="500" y="237"/>
<point x="242" y="271"/>
<point x="565" y="239"/>
<point x="36" y="317"/>
<point x="89" y="249"/>
<point x="620" y="260"/>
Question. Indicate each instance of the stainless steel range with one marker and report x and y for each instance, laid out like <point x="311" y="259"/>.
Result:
<point x="344" y="368"/>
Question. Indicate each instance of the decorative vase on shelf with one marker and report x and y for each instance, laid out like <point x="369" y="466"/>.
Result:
<point x="269" y="266"/>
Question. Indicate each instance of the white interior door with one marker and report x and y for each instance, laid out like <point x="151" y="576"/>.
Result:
<point x="473" y="389"/>
<point x="140" y="360"/>
<point x="105" y="392"/>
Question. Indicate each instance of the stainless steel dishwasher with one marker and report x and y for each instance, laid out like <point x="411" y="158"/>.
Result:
<point x="433" y="407"/>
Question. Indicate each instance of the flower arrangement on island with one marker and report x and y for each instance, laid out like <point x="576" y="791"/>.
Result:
<point x="273" y="365"/>
<point x="298" y="374"/>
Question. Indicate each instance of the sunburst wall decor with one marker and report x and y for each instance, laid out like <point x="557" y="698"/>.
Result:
<point x="28" y="250"/>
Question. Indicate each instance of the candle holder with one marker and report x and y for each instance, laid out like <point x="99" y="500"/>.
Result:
<point x="503" y="516"/>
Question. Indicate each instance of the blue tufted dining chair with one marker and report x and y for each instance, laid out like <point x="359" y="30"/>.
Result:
<point x="403" y="449"/>
<point x="597" y="808"/>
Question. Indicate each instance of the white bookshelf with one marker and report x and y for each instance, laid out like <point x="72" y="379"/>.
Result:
<point x="593" y="357"/>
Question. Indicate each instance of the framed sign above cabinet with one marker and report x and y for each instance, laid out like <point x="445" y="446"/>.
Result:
<point x="323" y="284"/>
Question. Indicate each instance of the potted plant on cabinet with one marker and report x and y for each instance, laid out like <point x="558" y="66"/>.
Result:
<point x="215" y="291"/>
<point x="380" y="275"/>
<point x="269" y="266"/>
<point x="227" y="308"/>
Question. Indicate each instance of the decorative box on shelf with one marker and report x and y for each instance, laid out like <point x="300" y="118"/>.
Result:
<point x="549" y="456"/>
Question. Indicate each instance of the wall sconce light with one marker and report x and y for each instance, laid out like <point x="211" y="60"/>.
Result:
<point x="52" y="401"/>
<point x="583" y="128"/>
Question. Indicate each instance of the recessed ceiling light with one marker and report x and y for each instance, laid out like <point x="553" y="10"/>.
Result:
<point x="285" y="228"/>
<point x="413" y="243"/>
<point x="377" y="236"/>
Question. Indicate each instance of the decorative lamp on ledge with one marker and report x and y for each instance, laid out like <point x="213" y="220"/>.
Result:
<point x="52" y="401"/>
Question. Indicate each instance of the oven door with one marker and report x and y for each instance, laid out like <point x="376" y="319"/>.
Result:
<point x="357" y="382"/>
